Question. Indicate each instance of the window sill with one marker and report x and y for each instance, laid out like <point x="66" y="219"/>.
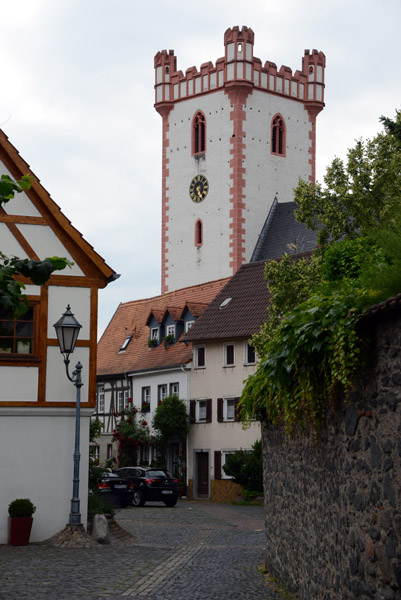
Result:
<point x="228" y="366"/>
<point x="9" y="359"/>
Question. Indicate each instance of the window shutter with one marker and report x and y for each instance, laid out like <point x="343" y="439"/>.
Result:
<point x="209" y="410"/>
<point x="192" y="410"/>
<point x="237" y="410"/>
<point x="217" y="464"/>
<point x="220" y="410"/>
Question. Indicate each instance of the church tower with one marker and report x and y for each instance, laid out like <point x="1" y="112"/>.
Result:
<point x="236" y="134"/>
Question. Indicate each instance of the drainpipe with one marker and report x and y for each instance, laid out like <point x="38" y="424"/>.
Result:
<point x="186" y="371"/>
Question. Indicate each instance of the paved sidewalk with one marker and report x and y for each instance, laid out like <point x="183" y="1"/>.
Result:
<point x="196" y="550"/>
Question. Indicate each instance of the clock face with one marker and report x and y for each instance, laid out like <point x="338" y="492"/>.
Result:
<point x="199" y="188"/>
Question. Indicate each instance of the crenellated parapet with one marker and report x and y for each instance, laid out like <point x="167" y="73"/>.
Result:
<point x="239" y="66"/>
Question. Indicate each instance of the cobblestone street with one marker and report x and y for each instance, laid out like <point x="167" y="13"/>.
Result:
<point x="197" y="550"/>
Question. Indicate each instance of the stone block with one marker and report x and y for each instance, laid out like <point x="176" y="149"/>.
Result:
<point x="100" y="529"/>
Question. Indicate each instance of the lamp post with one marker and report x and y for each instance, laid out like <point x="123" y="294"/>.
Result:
<point x="67" y="330"/>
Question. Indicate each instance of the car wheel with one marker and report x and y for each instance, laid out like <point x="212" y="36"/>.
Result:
<point x="171" y="502"/>
<point x="137" y="498"/>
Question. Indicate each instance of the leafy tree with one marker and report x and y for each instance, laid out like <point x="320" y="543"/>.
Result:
<point x="246" y="467"/>
<point x="131" y="434"/>
<point x="171" y="419"/>
<point x="11" y="289"/>
<point x="358" y="195"/>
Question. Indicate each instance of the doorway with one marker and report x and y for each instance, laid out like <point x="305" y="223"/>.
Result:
<point x="202" y="474"/>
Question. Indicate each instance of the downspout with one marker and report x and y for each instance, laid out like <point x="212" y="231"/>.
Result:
<point x="186" y="371"/>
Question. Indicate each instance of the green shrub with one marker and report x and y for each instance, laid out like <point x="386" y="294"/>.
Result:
<point x="246" y="468"/>
<point x="21" y="507"/>
<point x="98" y="505"/>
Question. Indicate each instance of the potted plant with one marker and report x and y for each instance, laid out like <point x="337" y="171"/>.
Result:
<point x="20" y="521"/>
<point x="152" y="342"/>
<point x="168" y="339"/>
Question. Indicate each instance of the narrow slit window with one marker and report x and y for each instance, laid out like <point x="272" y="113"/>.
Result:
<point x="199" y="133"/>
<point x="198" y="233"/>
<point x="278" y="136"/>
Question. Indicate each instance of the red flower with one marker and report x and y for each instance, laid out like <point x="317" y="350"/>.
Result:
<point x="144" y="423"/>
<point x="129" y="400"/>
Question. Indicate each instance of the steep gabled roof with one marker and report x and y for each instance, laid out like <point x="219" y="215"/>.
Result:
<point x="239" y="317"/>
<point x="48" y="214"/>
<point x="281" y="233"/>
<point x="131" y="318"/>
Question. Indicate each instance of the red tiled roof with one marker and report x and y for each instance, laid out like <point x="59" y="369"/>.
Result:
<point x="245" y="312"/>
<point x="130" y="319"/>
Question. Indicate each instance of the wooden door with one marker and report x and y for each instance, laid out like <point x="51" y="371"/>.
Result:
<point x="202" y="471"/>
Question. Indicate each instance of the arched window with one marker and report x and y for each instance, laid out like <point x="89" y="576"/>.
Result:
<point x="199" y="133"/>
<point x="198" y="233"/>
<point x="278" y="136"/>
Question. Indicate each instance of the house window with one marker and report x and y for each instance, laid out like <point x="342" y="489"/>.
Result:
<point x="109" y="450"/>
<point x="175" y="389"/>
<point x="100" y="399"/>
<point x="144" y="455"/>
<point x="198" y="233"/>
<point x="17" y="334"/>
<point x="278" y="136"/>
<point x="95" y="453"/>
<point x="199" y="133"/>
<point x="250" y="355"/>
<point x="161" y="393"/>
<point x="224" y="455"/>
<point x="227" y="409"/>
<point x="126" y="398"/>
<point x="228" y="356"/>
<point x="188" y="325"/>
<point x="145" y="406"/>
<point x="170" y="330"/>
<point x="120" y="401"/>
<point x="154" y="333"/>
<point x="201" y="410"/>
<point x="125" y="343"/>
<point x="200" y="357"/>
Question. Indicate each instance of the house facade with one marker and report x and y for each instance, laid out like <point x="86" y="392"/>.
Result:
<point x="141" y="358"/>
<point x="222" y="359"/>
<point x="37" y="402"/>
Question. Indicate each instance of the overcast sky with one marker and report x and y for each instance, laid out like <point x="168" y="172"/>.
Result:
<point x="77" y="100"/>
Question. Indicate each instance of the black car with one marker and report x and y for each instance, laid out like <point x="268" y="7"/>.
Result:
<point x="151" y="485"/>
<point x="118" y="490"/>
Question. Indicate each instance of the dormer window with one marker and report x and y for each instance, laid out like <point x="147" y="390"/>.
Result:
<point x="125" y="343"/>
<point x="170" y="330"/>
<point x="154" y="333"/>
<point x="188" y="325"/>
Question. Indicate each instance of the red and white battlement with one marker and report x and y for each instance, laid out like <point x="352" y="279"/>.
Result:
<point x="240" y="66"/>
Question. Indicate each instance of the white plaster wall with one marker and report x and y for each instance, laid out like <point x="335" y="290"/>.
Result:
<point x="9" y="244"/>
<point x="39" y="465"/>
<point x="267" y="175"/>
<point x="78" y="299"/>
<point x="45" y="243"/>
<point x="154" y="380"/>
<point x="58" y="387"/>
<point x="20" y="204"/>
<point x="216" y="381"/>
<point x="188" y="265"/>
<point x="19" y="384"/>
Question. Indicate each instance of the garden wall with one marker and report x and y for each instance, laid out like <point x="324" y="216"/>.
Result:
<point x="333" y="510"/>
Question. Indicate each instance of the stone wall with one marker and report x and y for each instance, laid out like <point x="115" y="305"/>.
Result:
<point x="333" y="509"/>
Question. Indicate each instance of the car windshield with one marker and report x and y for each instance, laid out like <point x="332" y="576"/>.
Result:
<point x="158" y="473"/>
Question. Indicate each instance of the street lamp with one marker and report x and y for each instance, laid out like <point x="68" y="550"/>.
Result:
<point x="67" y="330"/>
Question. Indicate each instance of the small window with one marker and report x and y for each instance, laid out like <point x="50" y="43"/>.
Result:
<point x="170" y="330"/>
<point x="126" y="398"/>
<point x="120" y="401"/>
<point x="144" y="454"/>
<point x="125" y="343"/>
<point x="154" y="333"/>
<point x="198" y="233"/>
<point x="199" y="133"/>
<point x="229" y="355"/>
<point x="225" y="303"/>
<point x="109" y="450"/>
<point x="145" y="405"/>
<point x="17" y="334"/>
<point x="202" y="408"/>
<point x="100" y="399"/>
<point x="188" y="325"/>
<point x="229" y="409"/>
<point x="224" y="455"/>
<point x="161" y="393"/>
<point x="278" y="136"/>
<point x="95" y="453"/>
<point x="200" y="357"/>
<point x="175" y="389"/>
<point x="250" y="354"/>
